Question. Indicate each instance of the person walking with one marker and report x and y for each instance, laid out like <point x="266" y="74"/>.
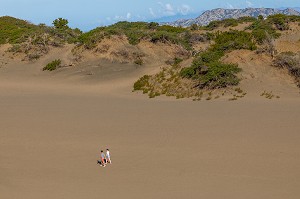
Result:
<point x="108" y="156"/>
<point x="103" y="159"/>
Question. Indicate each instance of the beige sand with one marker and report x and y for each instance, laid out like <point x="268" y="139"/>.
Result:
<point x="53" y="126"/>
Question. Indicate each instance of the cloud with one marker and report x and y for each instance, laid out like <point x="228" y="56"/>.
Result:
<point x="167" y="9"/>
<point x="249" y="4"/>
<point x="171" y="10"/>
<point x="184" y="9"/>
<point x="128" y="16"/>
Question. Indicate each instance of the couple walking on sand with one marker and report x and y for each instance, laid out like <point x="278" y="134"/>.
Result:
<point x="105" y="158"/>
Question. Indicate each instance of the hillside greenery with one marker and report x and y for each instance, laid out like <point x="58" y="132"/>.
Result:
<point x="207" y="67"/>
<point x="206" y="71"/>
<point x="35" y="40"/>
<point x="14" y="30"/>
<point x="136" y="31"/>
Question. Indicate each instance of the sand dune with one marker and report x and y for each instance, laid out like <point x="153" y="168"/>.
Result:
<point x="53" y="126"/>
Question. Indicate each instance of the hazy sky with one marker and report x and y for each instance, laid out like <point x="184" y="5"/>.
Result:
<point x="87" y="14"/>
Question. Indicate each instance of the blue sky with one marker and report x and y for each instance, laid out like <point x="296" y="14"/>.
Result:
<point x="87" y="14"/>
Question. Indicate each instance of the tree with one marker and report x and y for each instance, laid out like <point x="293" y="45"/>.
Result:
<point x="153" y="25"/>
<point x="260" y="17"/>
<point x="61" y="23"/>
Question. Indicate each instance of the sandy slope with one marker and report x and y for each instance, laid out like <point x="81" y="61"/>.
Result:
<point x="258" y="75"/>
<point x="54" y="124"/>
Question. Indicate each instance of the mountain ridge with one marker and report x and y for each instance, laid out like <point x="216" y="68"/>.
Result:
<point x="220" y="14"/>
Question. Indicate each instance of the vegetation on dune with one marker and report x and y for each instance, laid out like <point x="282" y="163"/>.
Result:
<point x="264" y="28"/>
<point x="206" y="71"/>
<point x="261" y="29"/>
<point x="14" y="30"/>
<point x="207" y="67"/>
<point x="227" y="23"/>
<point x="135" y="32"/>
<point x="233" y="40"/>
<point x="53" y="65"/>
<point x="62" y="32"/>
<point x="35" y="40"/>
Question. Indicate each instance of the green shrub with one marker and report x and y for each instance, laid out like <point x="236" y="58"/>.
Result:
<point x="210" y="56"/>
<point x="219" y="75"/>
<point x="164" y="36"/>
<point x="171" y="29"/>
<point x="234" y="40"/>
<point x="207" y="67"/>
<point x="142" y="83"/>
<point x="189" y="72"/>
<point x="134" y="36"/>
<point x="230" y="22"/>
<point x="177" y="61"/>
<point x="280" y="21"/>
<point x="246" y="19"/>
<point x="261" y="29"/>
<point x="213" y="25"/>
<point x="91" y="38"/>
<point x="52" y="65"/>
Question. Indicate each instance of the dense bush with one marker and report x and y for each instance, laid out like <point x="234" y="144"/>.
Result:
<point x="52" y="65"/>
<point x="234" y="40"/>
<point x="219" y="75"/>
<point x="261" y="29"/>
<point x="200" y="63"/>
<point x="281" y="21"/>
<point x="207" y="67"/>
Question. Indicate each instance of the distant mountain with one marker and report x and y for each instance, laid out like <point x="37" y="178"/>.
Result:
<point x="220" y="14"/>
<point x="294" y="8"/>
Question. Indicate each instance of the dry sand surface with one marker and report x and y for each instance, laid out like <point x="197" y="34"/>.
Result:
<point x="53" y="126"/>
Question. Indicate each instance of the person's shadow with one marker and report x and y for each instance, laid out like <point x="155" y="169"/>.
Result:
<point x="99" y="162"/>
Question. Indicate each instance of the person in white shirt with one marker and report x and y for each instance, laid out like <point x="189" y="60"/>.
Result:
<point x="108" y="156"/>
